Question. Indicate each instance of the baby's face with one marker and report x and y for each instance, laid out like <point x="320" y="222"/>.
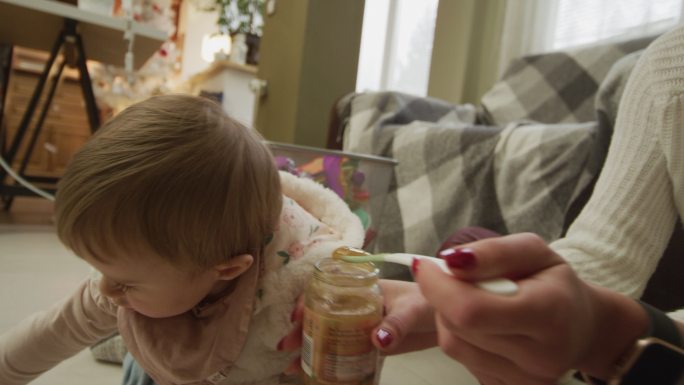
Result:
<point x="151" y="285"/>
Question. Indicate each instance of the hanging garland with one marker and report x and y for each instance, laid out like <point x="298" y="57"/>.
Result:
<point x="116" y="89"/>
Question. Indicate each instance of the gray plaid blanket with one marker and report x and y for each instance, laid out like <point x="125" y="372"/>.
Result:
<point x="454" y="173"/>
<point x="555" y="87"/>
<point x="531" y="169"/>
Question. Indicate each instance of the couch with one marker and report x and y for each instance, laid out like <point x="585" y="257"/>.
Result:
<point x="525" y="159"/>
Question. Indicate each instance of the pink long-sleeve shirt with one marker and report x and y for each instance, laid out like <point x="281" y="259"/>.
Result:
<point x="230" y="341"/>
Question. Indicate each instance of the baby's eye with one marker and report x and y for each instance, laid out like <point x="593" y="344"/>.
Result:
<point x="123" y="288"/>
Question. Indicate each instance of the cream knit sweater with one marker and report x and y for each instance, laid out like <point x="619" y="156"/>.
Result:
<point x="624" y="229"/>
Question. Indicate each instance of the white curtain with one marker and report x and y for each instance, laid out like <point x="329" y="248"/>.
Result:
<point x="534" y="26"/>
<point x="396" y="45"/>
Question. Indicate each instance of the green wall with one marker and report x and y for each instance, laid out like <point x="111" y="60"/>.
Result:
<point x="309" y="57"/>
<point x="465" y="53"/>
<point x="280" y="61"/>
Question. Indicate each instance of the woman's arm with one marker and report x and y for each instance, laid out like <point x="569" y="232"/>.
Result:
<point x="622" y="232"/>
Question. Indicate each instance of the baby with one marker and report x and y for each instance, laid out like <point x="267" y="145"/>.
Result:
<point x="202" y="247"/>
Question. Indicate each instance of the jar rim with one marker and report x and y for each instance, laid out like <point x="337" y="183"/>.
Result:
<point x="343" y="273"/>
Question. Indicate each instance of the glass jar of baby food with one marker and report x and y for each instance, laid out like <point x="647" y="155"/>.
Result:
<point x="342" y="305"/>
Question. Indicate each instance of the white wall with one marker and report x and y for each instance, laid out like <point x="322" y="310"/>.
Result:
<point x="195" y="25"/>
<point x="238" y="99"/>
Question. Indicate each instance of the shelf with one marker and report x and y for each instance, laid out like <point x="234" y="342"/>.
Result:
<point x="216" y="67"/>
<point x="37" y="23"/>
<point x="220" y="64"/>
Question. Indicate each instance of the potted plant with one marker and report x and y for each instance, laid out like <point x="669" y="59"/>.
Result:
<point x="240" y="17"/>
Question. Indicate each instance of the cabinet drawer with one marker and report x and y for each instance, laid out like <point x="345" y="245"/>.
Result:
<point x="64" y="130"/>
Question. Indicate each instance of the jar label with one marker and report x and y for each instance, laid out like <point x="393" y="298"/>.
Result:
<point x="339" y="350"/>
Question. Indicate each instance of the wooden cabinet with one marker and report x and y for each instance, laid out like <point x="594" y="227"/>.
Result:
<point x="65" y="128"/>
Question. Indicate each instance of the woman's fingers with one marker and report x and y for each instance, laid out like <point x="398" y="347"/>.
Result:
<point x="513" y="256"/>
<point x="298" y="312"/>
<point x="294" y="368"/>
<point x="468" y="307"/>
<point x="407" y="343"/>
<point x="293" y="340"/>
<point x="488" y="367"/>
<point x="408" y="323"/>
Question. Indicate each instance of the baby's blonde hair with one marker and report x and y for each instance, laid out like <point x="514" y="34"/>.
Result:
<point x="176" y="176"/>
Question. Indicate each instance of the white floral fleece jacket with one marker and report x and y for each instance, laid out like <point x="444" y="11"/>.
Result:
<point x="230" y="341"/>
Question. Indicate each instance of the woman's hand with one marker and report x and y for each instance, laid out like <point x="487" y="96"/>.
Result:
<point x="555" y="322"/>
<point x="293" y="340"/>
<point x="409" y="321"/>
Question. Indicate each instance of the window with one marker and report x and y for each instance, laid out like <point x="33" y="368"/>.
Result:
<point x="396" y="45"/>
<point x="580" y="22"/>
<point x="536" y="26"/>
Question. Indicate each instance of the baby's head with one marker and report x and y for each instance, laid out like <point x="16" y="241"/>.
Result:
<point x="171" y="180"/>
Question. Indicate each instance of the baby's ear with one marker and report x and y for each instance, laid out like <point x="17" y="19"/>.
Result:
<point x="234" y="267"/>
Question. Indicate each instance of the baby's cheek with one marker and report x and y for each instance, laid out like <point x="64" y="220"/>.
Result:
<point x="153" y="310"/>
<point x="139" y="302"/>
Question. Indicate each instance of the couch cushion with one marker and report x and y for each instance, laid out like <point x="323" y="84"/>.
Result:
<point x="454" y="173"/>
<point x="610" y="92"/>
<point x="557" y="87"/>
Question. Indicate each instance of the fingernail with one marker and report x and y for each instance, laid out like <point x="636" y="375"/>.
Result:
<point x="414" y="266"/>
<point x="384" y="337"/>
<point x="463" y="258"/>
<point x="280" y="345"/>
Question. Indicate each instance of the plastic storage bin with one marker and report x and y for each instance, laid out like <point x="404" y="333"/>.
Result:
<point x="362" y="181"/>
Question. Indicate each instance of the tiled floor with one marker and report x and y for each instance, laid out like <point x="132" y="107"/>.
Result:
<point x="36" y="271"/>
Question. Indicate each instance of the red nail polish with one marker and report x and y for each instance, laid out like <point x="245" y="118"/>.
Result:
<point x="280" y="345"/>
<point x="414" y="266"/>
<point x="384" y="337"/>
<point x="463" y="258"/>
